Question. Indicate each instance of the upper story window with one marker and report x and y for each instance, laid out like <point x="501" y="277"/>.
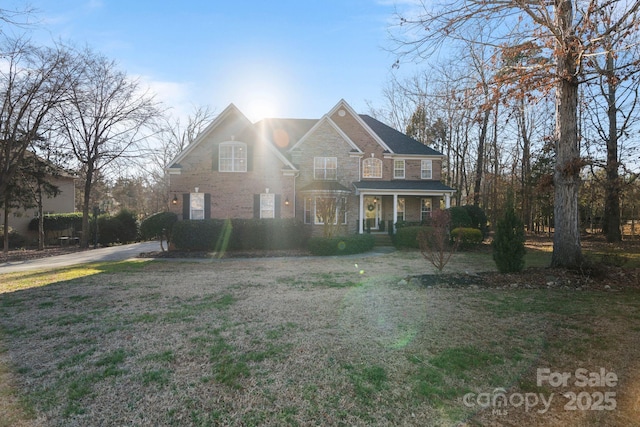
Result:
<point x="325" y="168"/>
<point x="232" y="157"/>
<point x="398" y="169"/>
<point x="372" y="168"/>
<point x="426" y="169"/>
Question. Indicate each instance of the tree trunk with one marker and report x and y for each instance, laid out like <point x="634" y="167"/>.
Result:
<point x="6" y="225"/>
<point x="611" y="220"/>
<point x="566" y="177"/>
<point x="41" y="236"/>
<point x="480" y="161"/>
<point x="86" y="231"/>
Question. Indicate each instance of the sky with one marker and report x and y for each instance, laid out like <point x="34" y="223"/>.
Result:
<point x="281" y="58"/>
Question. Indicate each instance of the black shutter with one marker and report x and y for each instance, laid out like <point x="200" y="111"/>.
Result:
<point x="214" y="157"/>
<point x="256" y="206"/>
<point x="207" y="206"/>
<point x="249" y="157"/>
<point x="277" y="209"/>
<point x="185" y="206"/>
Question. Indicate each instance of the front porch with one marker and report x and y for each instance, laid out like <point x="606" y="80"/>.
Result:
<point x="383" y="204"/>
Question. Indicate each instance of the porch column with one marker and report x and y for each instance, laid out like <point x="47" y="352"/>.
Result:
<point x="361" y="215"/>
<point x="395" y="211"/>
<point x="447" y="200"/>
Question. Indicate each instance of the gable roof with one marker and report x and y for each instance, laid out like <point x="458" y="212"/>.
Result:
<point x="284" y="133"/>
<point x="398" y="141"/>
<point x="227" y="112"/>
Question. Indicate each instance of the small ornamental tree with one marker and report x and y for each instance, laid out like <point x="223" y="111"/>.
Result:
<point x="435" y="240"/>
<point x="508" y="243"/>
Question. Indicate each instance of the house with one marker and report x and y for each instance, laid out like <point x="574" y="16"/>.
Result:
<point x="345" y="169"/>
<point x="63" y="202"/>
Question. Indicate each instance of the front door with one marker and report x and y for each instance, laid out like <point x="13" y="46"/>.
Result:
<point x="372" y="212"/>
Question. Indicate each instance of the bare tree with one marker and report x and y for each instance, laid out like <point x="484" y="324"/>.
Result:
<point x="33" y="81"/>
<point x="566" y="32"/>
<point x="104" y="121"/>
<point x="173" y="136"/>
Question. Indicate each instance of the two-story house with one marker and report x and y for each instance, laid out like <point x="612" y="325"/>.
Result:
<point x="346" y="168"/>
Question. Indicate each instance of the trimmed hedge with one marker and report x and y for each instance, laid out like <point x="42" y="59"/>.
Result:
<point x="468" y="237"/>
<point x="59" y="222"/>
<point x="344" y="245"/>
<point x="407" y="237"/>
<point x="120" y="228"/>
<point x="158" y="225"/>
<point x="239" y="234"/>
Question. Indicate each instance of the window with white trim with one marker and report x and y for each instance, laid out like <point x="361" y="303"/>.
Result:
<point x="330" y="209"/>
<point x="372" y="168"/>
<point x="196" y="206"/>
<point x="232" y="157"/>
<point x="308" y="209"/>
<point x="267" y="205"/>
<point x="426" y="169"/>
<point x="400" y="209"/>
<point x="398" y="169"/>
<point x="325" y="168"/>
<point x="425" y="209"/>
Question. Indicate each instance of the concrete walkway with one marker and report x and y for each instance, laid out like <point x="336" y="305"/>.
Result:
<point x="113" y="253"/>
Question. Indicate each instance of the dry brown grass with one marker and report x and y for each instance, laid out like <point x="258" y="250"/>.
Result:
<point x="297" y="341"/>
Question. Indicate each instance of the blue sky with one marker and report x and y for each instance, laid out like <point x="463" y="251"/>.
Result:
<point x="276" y="58"/>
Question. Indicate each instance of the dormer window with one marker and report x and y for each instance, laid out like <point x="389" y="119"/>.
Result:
<point x="232" y="157"/>
<point x="372" y="168"/>
<point x="325" y="168"/>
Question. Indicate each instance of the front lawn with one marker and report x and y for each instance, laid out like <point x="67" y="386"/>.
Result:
<point x="313" y="341"/>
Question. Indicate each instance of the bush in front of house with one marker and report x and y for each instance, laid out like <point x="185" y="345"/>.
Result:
<point x="343" y="245"/>
<point x="158" y="226"/>
<point x="59" y="222"/>
<point x="120" y="228"/>
<point x="407" y="237"/>
<point x="268" y="234"/>
<point x="16" y="240"/>
<point x="459" y="217"/>
<point x="239" y="234"/>
<point x="467" y="237"/>
<point x="478" y="218"/>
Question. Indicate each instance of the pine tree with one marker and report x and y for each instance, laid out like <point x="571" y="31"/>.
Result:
<point x="508" y="243"/>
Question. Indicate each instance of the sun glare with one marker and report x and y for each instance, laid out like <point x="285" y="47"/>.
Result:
<point x="261" y="108"/>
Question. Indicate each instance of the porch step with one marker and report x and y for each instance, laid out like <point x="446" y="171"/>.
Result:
<point x="382" y="239"/>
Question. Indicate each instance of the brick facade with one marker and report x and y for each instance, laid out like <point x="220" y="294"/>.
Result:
<point x="288" y="170"/>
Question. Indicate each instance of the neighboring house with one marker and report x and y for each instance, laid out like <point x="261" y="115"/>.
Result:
<point x="63" y="202"/>
<point x="370" y="175"/>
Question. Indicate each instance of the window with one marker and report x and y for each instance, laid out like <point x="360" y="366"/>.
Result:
<point x="325" y="168"/>
<point x="400" y="209"/>
<point x="372" y="168"/>
<point x="398" y="169"/>
<point x="308" y="208"/>
<point x="196" y="206"/>
<point x="425" y="209"/>
<point x="329" y="209"/>
<point x="426" y="169"/>
<point x="267" y="205"/>
<point x="233" y="157"/>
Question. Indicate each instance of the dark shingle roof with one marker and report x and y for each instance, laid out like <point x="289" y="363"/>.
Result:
<point x="398" y="141"/>
<point x="329" y="186"/>
<point x="401" y="184"/>
<point x="284" y="133"/>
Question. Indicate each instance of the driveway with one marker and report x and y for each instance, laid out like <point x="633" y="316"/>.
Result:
<point x="114" y="253"/>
